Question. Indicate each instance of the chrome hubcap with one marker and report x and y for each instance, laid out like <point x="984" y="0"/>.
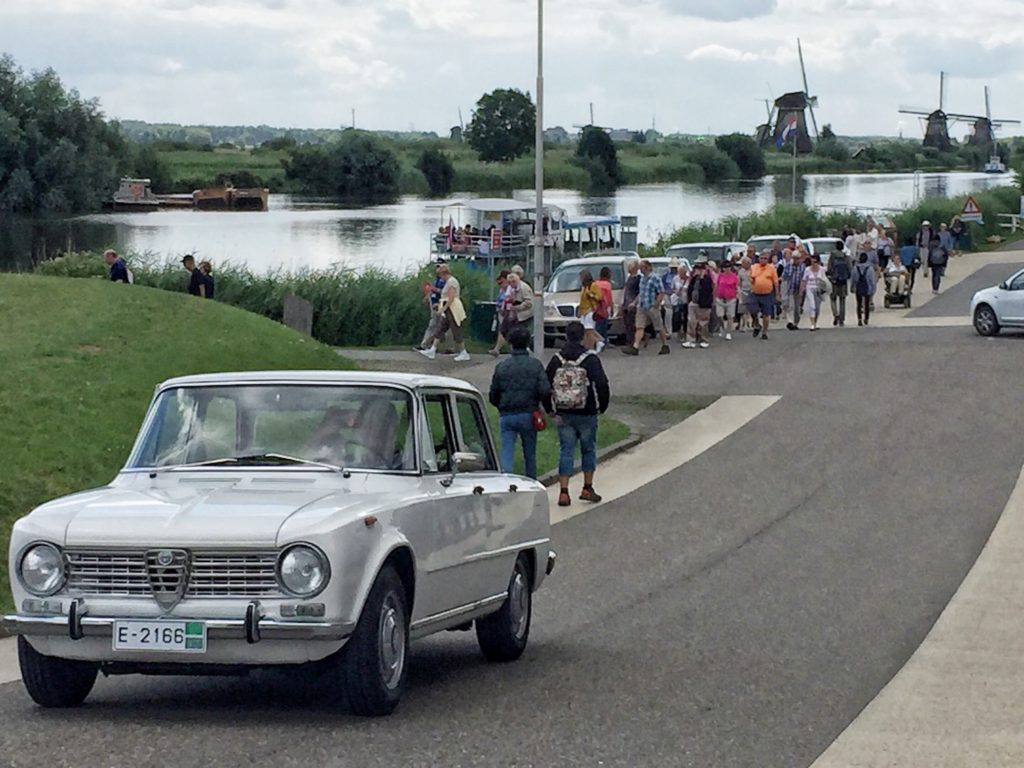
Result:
<point x="391" y="638"/>
<point x="519" y="604"/>
<point x="985" y="321"/>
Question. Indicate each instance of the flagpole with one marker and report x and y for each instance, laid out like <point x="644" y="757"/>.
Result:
<point x="793" y="193"/>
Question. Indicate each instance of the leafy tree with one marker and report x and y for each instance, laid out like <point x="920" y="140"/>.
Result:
<point x="438" y="171"/>
<point x="831" y="149"/>
<point x="358" y="168"/>
<point x="715" y="164"/>
<point x="149" y="165"/>
<point x="597" y="154"/>
<point x="279" y="143"/>
<point x="503" y="125"/>
<point x="57" y="153"/>
<point x="745" y="152"/>
<point x="826" y="132"/>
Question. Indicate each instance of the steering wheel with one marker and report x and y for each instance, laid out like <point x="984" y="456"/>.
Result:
<point x="384" y="463"/>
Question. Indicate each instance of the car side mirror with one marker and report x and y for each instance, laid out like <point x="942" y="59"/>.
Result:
<point x="465" y="462"/>
<point x="1004" y="286"/>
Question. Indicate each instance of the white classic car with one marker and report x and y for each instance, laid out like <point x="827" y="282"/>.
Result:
<point x="283" y="518"/>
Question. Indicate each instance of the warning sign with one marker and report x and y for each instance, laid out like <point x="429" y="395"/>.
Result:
<point x="971" y="211"/>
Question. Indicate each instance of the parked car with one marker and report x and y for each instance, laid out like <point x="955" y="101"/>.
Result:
<point x="825" y="247"/>
<point x="766" y="241"/>
<point x="719" y="252"/>
<point x="283" y="518"/>
<point x="1001" y="306"/>
<point x="562" y="293"/>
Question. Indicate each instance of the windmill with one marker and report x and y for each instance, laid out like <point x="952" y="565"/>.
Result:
<point x="937" y="129"/>
<point x="790" y="106"/>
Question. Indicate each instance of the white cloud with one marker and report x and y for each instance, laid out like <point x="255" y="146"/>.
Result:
<point x="714" y="51"/>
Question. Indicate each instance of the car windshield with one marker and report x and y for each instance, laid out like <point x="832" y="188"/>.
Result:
<point x="355" y="427"/>
<point x="691" y="252"/>
<point x="766" y="242"/>
<point x="567" y="277"/>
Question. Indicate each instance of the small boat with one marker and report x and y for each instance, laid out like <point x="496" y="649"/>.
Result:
<point x="995" y="165"/>
<point x="134" y="195"/>
<point x="231" y="199"/>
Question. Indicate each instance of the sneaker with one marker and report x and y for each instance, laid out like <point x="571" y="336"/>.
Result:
<point x="587" y="494"/>
<point x="630" y="350"/>
<point x="764" y="336"/>
<point x="664" y="350"/>
<point x="462" y="357"/>
<point x="689" y="345"/>
<point x="790" y="327"/>
<point x="493" y="352"/>
<point x="728" y="337"/>
<point x="430" y="352"/>
<point x="563" y="498"/>
<point x="703" y="345"/>
<point x="600" y="347"/>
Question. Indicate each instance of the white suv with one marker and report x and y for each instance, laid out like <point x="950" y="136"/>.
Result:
<point x="1001" y="306"/>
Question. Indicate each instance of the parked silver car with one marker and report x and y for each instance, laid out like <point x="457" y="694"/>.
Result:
<point x="1001" y="306"/>
<point x="283" y="518"/>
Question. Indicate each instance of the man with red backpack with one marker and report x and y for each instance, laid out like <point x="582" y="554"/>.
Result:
<point x="579" y="392"/>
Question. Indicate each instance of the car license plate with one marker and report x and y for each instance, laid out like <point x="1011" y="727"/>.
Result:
<point x="167" y="636"/>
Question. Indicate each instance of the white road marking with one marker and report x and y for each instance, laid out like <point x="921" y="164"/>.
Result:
<point x="957" y="701"/>
<point x="9" y="661"/>
<point x="662" y="453"/>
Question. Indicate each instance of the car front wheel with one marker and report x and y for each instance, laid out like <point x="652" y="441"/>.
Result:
<point x="52" y="682"/>
<point x="503" y="634"/>
<point x="374" y="659"/>
<point x="985" y="321"/>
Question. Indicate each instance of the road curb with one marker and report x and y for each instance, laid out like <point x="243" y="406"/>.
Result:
<point x="611" y="451"/>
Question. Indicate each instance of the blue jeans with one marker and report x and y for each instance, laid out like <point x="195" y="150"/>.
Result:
<point x="602" y="327"/>
<point x="521" y="424"/>
<point x="582" y="429"/>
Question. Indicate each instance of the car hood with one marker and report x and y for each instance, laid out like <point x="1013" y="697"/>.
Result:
<point x="985" y="294"/>
<point x="196" y="512"/>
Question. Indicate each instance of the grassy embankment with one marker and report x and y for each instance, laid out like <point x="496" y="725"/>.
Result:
<point x="81" y="358"/>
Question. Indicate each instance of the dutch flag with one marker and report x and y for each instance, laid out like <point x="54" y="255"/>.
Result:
<point x="788" y="132"/>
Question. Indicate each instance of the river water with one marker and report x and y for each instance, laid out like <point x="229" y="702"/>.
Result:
<point x="298" y="233"/>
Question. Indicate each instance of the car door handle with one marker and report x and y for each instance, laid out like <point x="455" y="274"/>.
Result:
<point x="478" y="490"/>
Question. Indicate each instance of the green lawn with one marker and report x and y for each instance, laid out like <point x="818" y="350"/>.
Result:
<point x="195" y="165"/>
<point x="80" y="359"/>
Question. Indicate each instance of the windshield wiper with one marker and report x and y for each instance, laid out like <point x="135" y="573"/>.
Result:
<point x="251" y="459"/>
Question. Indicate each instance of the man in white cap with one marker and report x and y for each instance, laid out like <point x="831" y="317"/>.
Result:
<point x="924" y="239"/>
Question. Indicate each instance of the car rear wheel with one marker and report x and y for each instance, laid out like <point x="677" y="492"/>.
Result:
<point x="503" y="635"/>
<point x="985" y="321"/>
<point x="374" y="660"/>
<point x="52" y="682"/>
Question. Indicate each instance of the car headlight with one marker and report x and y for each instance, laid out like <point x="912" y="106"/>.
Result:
<point x="41" y="570"/>
<point x="303" y="570"/>
<point x="550" y="309"/>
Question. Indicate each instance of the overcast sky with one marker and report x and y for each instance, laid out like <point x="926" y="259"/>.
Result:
<point x="690" y="65"/>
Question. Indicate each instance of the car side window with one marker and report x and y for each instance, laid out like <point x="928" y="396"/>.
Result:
<point x="440" y="440"/>
<point x="1017" y="284"/>
<point x="474" y="430"/>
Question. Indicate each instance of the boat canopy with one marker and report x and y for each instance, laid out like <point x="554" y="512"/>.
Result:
<point x="588" y="222"/>
<point x="493" y="205"/>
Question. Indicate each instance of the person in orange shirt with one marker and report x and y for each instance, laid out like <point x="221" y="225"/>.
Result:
<point x="764" y="291"/>
<point x="591" y="302"/>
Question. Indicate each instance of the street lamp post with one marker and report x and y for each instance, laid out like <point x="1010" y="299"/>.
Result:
<point x="539" y="261"/>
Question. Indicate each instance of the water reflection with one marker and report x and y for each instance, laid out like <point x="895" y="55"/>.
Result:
<point x="305" y="232"/>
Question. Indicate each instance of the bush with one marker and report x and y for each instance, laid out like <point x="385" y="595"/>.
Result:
<point x="358" y="169"/>
<point x="503" y="125"/>
<point x="438" y="170"/>
<point x="715" y="164"/>
<point x="745" y="152"/>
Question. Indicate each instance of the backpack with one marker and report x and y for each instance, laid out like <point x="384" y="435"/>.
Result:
<point x="841" y="271"/>
<point x="570" y="385"/>
<point x="863" y="289"/>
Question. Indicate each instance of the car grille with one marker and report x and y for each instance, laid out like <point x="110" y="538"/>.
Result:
<point x="137" y="573"/>
<point x="567" y="310"/>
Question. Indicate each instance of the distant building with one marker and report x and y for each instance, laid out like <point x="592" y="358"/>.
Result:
<point x="556" y="135"/>
<point x="456" y="134"/>
<point x="621" y="134"/>
<point x="652" y="135"/>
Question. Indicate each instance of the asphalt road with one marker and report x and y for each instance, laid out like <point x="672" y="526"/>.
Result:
<point x="739" y="611"/>
<point x="956" y="301"/>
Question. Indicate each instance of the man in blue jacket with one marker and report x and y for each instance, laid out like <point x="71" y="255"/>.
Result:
<point x="519" y="387"/>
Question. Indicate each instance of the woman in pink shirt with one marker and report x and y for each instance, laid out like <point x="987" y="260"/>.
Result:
<point x="726" y="293"/>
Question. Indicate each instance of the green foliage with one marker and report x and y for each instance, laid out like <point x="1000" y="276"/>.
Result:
<point x="279" y="143"/>
<point x="503" y="125"/>
<point x="438" y="170"/>
<point x="807" y="222"/>
<point x="57" y="153"/>
<point x="149" y="164"/>
<point x="745" y="152"/>
<point x="241" y="178"/>
<point x="832" y="149"/>
<point x="81" y="358"/>
<point x="714" y="163"/>
<point x="596" y="153"/>
<point x="357" y="169"/>
<point x="827" y="132"/>
<point x="370" y="308"/>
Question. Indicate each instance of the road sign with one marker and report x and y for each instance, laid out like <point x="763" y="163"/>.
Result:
<point x="972" y="211"/>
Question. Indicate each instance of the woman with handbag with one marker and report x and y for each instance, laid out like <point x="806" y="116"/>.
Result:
<point x="519" y="389"/>
<point x="814" y="286"/>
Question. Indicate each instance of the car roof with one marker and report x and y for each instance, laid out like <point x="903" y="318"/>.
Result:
<point x="717" y="244"/>
<point x="607" y="256"/>
<point x="772" y="237"/>
<point x="409" y="380"/>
